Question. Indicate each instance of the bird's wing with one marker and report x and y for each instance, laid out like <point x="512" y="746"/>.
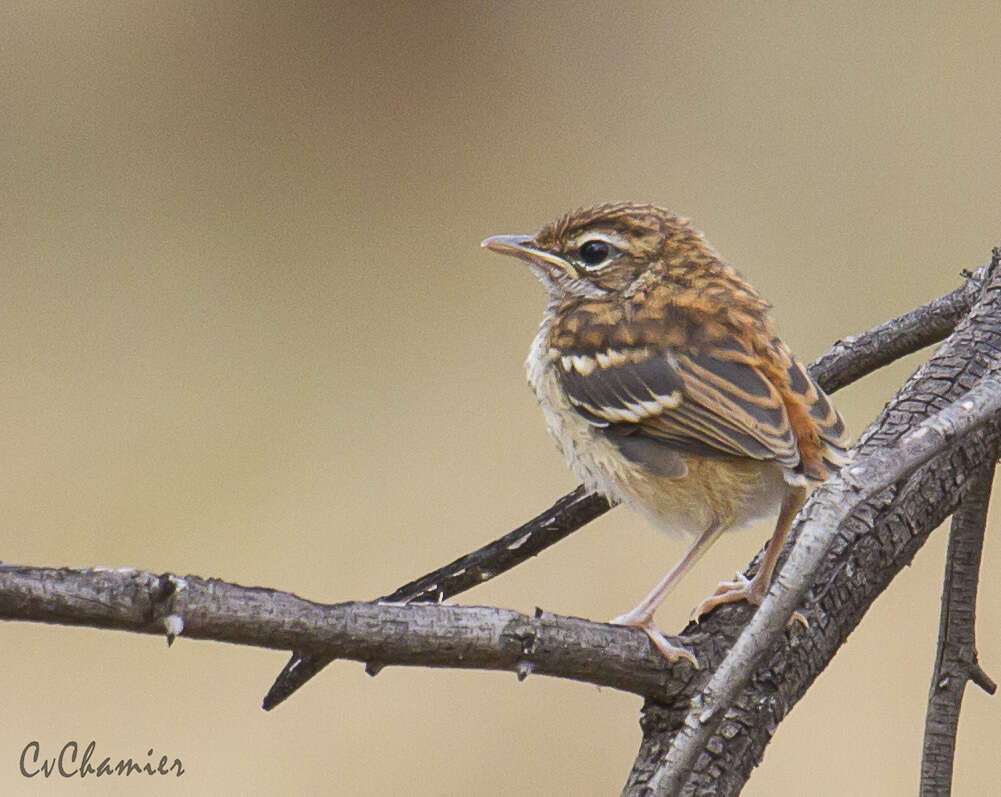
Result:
<point x="829" y="424"/>
<point x="713" y="404"/>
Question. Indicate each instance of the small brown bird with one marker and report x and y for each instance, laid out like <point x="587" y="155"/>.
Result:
<point x="667" y="389"/>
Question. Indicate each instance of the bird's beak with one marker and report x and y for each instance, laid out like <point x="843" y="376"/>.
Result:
<point x="521" y="247"/>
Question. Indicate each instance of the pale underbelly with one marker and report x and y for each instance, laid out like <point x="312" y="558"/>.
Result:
<point x="727" y="492"/>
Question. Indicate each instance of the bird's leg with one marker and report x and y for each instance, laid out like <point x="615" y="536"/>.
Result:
<point x="753" y="590"/>
<point x="642" y="615"/>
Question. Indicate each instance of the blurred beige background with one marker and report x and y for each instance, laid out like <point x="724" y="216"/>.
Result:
<point x="248" y="332"/>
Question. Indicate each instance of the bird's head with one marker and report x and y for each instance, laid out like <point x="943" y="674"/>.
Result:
<point x="607" y="249"/>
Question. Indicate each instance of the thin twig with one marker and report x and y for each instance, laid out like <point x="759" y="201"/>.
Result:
<point x="956" y="658"/>
<point x="906" y="334"/>
<point x="562" y="519"/>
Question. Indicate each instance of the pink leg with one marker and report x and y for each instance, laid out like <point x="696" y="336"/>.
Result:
<point x="642" y="615"/>
<point x="754" y="590"/>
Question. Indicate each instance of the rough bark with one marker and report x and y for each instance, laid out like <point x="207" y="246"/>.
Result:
<point x="869" y="549"/>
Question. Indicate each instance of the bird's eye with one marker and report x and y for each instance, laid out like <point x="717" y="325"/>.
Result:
<point x="595" y="252"/>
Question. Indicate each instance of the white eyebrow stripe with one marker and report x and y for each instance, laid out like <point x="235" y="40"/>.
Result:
<point x="608" y="237"/>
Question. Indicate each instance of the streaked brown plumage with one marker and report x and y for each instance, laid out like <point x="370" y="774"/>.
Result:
<point x="666" y="387"/>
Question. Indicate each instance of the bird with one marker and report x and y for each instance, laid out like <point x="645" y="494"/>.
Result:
<point x="665" y="386"/>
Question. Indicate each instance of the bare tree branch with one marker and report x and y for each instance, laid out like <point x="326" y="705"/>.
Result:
<point x="404" y="634"/>
<point x="956" y="659"/>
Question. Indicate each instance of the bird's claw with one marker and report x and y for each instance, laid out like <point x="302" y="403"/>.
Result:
<point x="668" y="650"/>
<point x="741" y="588"/>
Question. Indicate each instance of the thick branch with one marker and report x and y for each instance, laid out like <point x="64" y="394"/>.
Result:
<point x="956" y="659"/>
<point x="376" y="633"/>
<point x="842" y="496"/>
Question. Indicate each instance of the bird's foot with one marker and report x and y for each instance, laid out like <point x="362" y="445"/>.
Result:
<point x="668" y="650"/>
<point x="741" y="588"/>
